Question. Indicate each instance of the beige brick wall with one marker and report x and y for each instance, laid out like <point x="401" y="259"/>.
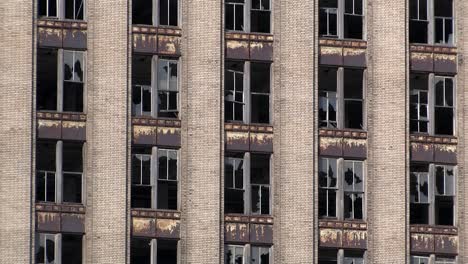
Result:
<point x="107" y="127"/>
<point x="387" y="157"/>
<point x="15" y="130"/>
<point x="201" y="132"/>
<point x="294" y="125"/>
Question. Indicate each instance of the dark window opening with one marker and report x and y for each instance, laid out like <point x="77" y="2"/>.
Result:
<point x="140" y="251"/>
<point x="419" y="194"/>
<point x="328" y="97"/>
<point x="353" y="28"/>
<point x="45" y="248"/>
<point x="260" y="92"/>
<point x="142" y="12"/>
<point x="234" y="254"/>
<point x="45" y="171"/>
<point x="353" y="99"/>
<point x="328" y="23"/>
<point x="141" y="85"/>
<point x="260" y="184"/>
<point x="260" y="255"/>
<point x="141" y="178"/>
<point x="419" y="260"/>
<point x="168" y="88"/>
<point x="234" y="184"/>
<point x="73" y="82"/>
<point x="327" y="256"/>
<point x="234" y="91"/>
<point x="353" y="257"/>
<point x="444" y="207"/>
<point x="419" y="23"/>
<point x="47" y="79"/>
<point x="168" y="12"/>
<point x="72" y="249"/>
<point x="74" y="9"/>
<point x="444" y="106"/>
<point x="328" y="187"/>
<point x="167" y="252"/>
<point x="47" y="8"/>
<point x="167" y="179"/>
<point x="419" y="103"/>
<point x="235" y="15"/>
<point x="260" y="16"/>
<point x="353" y="185"/>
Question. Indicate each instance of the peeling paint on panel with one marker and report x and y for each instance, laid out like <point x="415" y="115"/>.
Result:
<point x="422" y="152"/>
<point x="168" y="136"/>
<point x="237" y="141"/>
<point x="445" y="63"/>
<point x="73" y="223"/>
<point x="330" y="146"/>
<point x="422" y="243"/>
<point x="354" y="239"/>
<point x="331" y="56"/>
<point x="355" y="148"/>
<point x="354" y="57"/>
<point x="446" y="244"/>
<point x="49" y="129"/>
<point x="331" y="237"/>
<point x="236" y="232"/>
<point x="261" y="142"/>
<point x="168" y="228"/>
<point x="144" y="135"/>
<point x="143" y="227"/>
<point x="48" y="222"/>
<point x="445" y="153"/>
<point x="261" y="234"/>
<point x="422" y="62"/>
<point x="237" y="49"/>
<point x="72" y="130"/>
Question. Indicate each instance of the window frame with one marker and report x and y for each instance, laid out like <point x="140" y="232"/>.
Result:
<point x="154" y="248"/>
<point x="247" y="15"/>
<point x="155" y="15"/>
<point x="340" y="20"/>
<point x="327" y="189"/>
<point x="61" y="12"/>
<point x="245" y="91"/>
<point x="58" y="245"/>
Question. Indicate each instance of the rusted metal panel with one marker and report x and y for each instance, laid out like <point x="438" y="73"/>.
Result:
<point x="422" y="152"/>
<point x="237" y="141"/>
<point x="446" y="244"/>
<point x="168" y="45"/>
<point x="144" y="135"/>
<point x="330" y="146"/>
<point x="261" y="234"/>
<point x="261" y="142"/>
<point x="145" y="43"/>
<point x="262" y="51"/>
<point x="74" y="38"/>
<point x="445" y="63"/>
<point x="50" y="37"/>
<point x="237" y="49"/>
<point x="355" y="148"/>
<point x="331" y="56"/>
<point x="445" y="153"/>
<point x="145" y="227"/>
<point x="354" y="57"/>
<point x="74" y="223"/>
<point x="49" y="129"/>
<point x="73" y="130"/>
<point x="168" y="228"/>
<point x="168" y="136"/>
<point x="422" y="243"/>
<point x="422" y="62"/>
<point x="48" y="222"/>
<point x="236" y="232"/>
<point x="331" y="237"/>
<point x="354" y="239"/>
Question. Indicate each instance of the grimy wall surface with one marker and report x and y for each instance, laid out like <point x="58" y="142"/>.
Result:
<point x="387" y="108"/>
<point x="107" y="132"/>
<point x="16" y="64"/>
<point x="201" y="136"/>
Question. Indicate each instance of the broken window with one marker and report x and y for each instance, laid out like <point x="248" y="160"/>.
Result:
<point x="234" y="91"/>
<point x="69" y="173"/>
<point x="335" y="256"/>
<point x="353" y="257"/>
<point x="444" y="105"/>
<point x="341" y="98"/>
<point x="155" y="12"/>
<point x="328" y="187"/>
<point x="423" y="22"/>
<point x="234" y="254"/>
<point x="157" y="251"/>
<point x="445" y="260"/>
<point x="247" y="172"/>
<point x="328" y="97"/>
<point x="260" y="92"/>
<point x="58" y="248"/>
<point x="350" y="186"/>
<point x="419" y="260"/>
<point x="419" y="103"/>
<point x="69" y="84"/>
<point x="260" y="255"/>
<point x="166" y="84"/>
<point x="429" y="116"/>
<point x="235" y="15"/>
<point x="432" y="193"/>
<point x="48" y="8"/>
<point x="154" y="178"/>
<point x="74" y="9"/>
<point x="419" y="22"/>
<point x="341" y="19"/>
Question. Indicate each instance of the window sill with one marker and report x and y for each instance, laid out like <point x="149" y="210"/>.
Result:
<point x="149" y="212"/>
<point x="433" y="229"/>
<point x="426" y="138"/>
<point x="245" y="218"/>
<point x="63" y="207"/>
<point x="335" y="223"/>
<point x="349" y="133"/>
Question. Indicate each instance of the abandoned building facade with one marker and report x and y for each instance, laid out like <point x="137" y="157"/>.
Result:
<point x="235" y="131"/>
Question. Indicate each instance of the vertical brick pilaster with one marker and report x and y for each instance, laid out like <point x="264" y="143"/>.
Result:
<point x="387" y="93"/>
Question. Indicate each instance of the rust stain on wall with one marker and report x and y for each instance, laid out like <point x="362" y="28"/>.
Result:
<point x="48" y="222"/>
<point x="237" y="141"/>
<point x="261" y="142"/>
<point x="145" y="43"/>
<point x="168" y="228"/>
<point x="144" y="135"/>
<point x="355" y="239"/>
<point x="143" y="227"/>
<point x="236" y="232"/>
<point x="331" y="237"/>
<point x="168" y="136"/>
<point x="49" y="129"/>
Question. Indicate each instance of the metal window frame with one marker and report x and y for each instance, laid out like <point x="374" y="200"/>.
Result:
<point x="142" y="87"/>
<point x="354" y="192"/>
<point x="245" y="14"/>
<point x="418" y="107"/>
<point x="250" y="185"/>
<point x="61" y="80"/>
<point x="83" y="6"/>
<point x="155" y="89"/>
<point x="235" y="247"/>
<point x="328" y="96"/>
<point x="433" y="26"/>
<point x="248" y="90"/>
<point x="245" y="89"/>
<point x="155" y="176"/>
<point x="328" y="188"/>
<point x="340" y="14"/>
<point x="262" y="247"/>
<point x="155" y="11"/>
<point x="433" y="80"/>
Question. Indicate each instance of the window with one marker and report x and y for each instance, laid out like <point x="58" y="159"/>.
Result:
<point x="445" y="260"/>
<point x="334" y="256"/>
<point x="341" y="98"/>
<point x="69" y="174"/>
<point x="158" y="251"/>
<point x="50" y="84"/>
<point x="247" y="183"/>
<point x="350" y="186"/>
<point x="432" y="116"/>
<point x="432" y="191"/>
<point x="166" y="83"/>
<point x="257" y="20"/>
<point x="341" y="19"/>
<point x="419" y="260"/>
<point x="239" y="107"/>
<point x="235" y="15"/>
<point x="235" y="254"/>
<point x="441" y="22"/>
<point x="62" y="9"/>
<point x="155" y="186"/>
<point x="165" y="14"/>
<point x="52" y="247"/>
